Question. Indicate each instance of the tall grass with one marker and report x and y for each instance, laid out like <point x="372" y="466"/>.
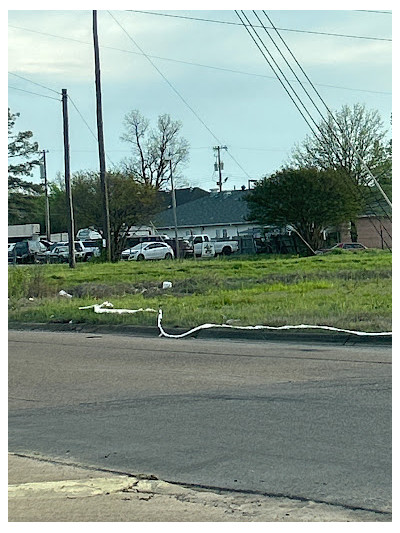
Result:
<point x="343" y="290"/>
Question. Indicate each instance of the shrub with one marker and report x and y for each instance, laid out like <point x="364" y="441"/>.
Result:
<point x="27" y="282"/>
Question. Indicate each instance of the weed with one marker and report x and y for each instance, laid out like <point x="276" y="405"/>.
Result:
<point x="341" y="290"/>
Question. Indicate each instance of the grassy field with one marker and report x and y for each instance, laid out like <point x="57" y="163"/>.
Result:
<point x="347" y="290"/>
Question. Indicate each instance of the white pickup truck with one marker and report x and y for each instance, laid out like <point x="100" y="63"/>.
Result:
<point x="220" y="247"/>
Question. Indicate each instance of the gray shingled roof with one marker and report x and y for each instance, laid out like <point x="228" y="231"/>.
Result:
<point x="227" y="207"/>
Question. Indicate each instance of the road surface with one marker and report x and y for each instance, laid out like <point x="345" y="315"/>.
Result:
<point x="307" y="422"/>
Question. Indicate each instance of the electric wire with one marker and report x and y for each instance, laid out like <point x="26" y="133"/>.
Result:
<point x="247" y="26"/>
<point x="34" y="83"/>
<point x="87" y="125"/>
<point x="324" y="104"/>
<point x="379" y="200"/>
<point x="376" y="201"/>
<point x="340" y="144"/>
<point x="222" y="69"/>
<point x="292" y="90"/>
<point x="31" y="92"/>
<point x="231" y="23"/>
<point x="175" y="91"/>
<point x="373" y="11"/>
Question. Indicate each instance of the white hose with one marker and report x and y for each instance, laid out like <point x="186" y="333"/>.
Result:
<point x="107" y="307"/>
<point x="300" y="326"/>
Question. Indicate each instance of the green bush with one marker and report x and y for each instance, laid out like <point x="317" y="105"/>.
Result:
<point x="27" y="282"/>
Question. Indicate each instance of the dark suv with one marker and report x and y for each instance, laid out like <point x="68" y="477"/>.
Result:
<point x="26" y="252"/>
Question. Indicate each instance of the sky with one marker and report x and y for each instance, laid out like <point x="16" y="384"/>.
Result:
<point x="208" y="74"/>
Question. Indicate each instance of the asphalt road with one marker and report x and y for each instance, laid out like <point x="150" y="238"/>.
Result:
<point x="302" y="421"/>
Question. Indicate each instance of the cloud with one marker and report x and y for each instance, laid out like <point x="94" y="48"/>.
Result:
<point x="68" y="53"/>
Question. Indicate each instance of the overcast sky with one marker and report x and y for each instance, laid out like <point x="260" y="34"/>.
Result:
<point x="209" y="75"/>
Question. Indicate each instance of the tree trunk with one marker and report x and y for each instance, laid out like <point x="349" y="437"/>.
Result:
<point x="353" y="231"/>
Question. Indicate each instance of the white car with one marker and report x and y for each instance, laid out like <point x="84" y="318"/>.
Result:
<point x="148" y="250"/>
<point x="59" y="252"/>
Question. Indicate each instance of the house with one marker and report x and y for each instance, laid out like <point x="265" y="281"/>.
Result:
<point x="374" y="227"/>
<point x="373" y="231"/>
<point x="182" y="196"/>
<point x="224" y="215"/>
<point x="218" y="214"/>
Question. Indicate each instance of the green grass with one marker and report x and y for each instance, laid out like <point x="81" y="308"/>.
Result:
<point x="349" y="290"/>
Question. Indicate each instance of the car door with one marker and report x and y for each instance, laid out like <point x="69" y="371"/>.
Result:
<point x="148" y="251"/>
<point x="160" y="251"/>
<point x="156" y="250"/>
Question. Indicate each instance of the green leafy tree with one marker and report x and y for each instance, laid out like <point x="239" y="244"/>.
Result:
<point x="23" y="195"/>
<point x="130" y="203"/>
<point x="310" y="200"/>
<point x="348" y="135"/>
<point x="152" y="149"/>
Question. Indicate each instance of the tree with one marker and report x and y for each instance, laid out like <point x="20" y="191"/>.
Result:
<point x="345" y="137"/>
<point x="310" y="200"/>
<point x="348" y="132"/>
<point x="23" y="154"/>
<point x="23" y="195"/>
<point x="153" y="148"/>
<point x="130" y="203"/>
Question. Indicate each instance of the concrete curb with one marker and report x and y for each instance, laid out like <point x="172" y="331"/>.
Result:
<point x="212" y="333"/>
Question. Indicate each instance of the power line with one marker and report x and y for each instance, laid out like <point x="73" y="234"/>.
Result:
<point x="329" y="127"/>
<point x="373" y="11"/>
<point x="192" y="63"/>
<point x="34" y="83"/>
<point x="290" y="95"/>
<point x="83" y="118"/>
<point x="237" y="24"/>
<point x="87" y="125"/>
<point x="175" y="90"/>
<point x="37" y="94"/>
<point x="325" y="106"/>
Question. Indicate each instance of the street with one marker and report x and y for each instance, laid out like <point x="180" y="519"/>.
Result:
<point x="308" y="422"/>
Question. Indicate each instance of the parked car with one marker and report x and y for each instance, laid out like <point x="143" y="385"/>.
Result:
<point x="25" y="252"/>
<point x="185" y="248"/>
<point x="342" y="246"/>
<point x="59" y="252"/>
<point x="148" y="250"/>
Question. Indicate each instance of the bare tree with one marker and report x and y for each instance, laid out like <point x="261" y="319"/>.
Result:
<point x="346" y="136"/>
<point x="153" y="148"/>
<point x="350" y="131"/>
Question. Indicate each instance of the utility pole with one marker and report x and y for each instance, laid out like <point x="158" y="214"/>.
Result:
<point x="43" y="175"/>
<point x="174" y="209"/>
<point x="71" y="230"/>
<point x="100" y="137"/>
<point x="219" y="165"/>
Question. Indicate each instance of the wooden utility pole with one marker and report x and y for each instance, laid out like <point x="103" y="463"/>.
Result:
<point x="43" y="169"/>
<point x="219" y="165"/>
<point x="71" y="230"/>
<point x="174" y="209"/>
<point x="100" y="137"/>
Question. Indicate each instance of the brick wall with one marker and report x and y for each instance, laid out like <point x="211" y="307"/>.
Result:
<point x="373" y="232"/>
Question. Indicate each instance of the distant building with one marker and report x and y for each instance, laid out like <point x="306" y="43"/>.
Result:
<point x="20" y="232"/>
<point x="218" y="214"/>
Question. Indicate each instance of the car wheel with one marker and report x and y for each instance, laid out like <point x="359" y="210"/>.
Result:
<point x="140" y="257"/>
<point x="168" y="256"/>
<point x="226" y="251"/>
